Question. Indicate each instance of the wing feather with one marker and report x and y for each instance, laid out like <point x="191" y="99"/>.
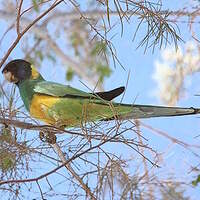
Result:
<point x="59" y="90"/>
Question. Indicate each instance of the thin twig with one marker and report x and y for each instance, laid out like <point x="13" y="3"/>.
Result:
<point x="14" y="44"/>
<point x="18" y="17"/>
<point x="41" y="193"/>
<point x="74" y="174"/>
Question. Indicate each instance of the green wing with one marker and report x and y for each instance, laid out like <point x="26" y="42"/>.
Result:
<point x="59" y="90"/>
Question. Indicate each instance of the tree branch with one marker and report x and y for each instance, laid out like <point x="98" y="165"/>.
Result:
<point x="14" y="44"/>
<point x="74" y="174"/>
<point x="18" y="17"/>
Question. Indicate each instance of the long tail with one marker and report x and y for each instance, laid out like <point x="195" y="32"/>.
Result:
<point x="148" y="111"/>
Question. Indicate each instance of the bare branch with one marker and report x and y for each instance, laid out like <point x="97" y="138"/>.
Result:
<point x="14" y="44"/>
<point x="18" y="17"/>
<point x="75" y="175"/>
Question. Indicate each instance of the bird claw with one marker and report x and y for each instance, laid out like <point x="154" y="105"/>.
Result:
<point x="47" y="137"/>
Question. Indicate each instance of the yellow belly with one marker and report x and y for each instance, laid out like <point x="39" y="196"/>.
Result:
<point x="40" y="105"/>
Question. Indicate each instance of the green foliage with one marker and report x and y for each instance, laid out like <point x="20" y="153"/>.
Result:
<point x="90" y="50"/>
<point x="196" y="181"/>
<point x="100" y="46"/>
<point x="100" y="53"/>
<point x="76" y="41"/>
<point x="7" y="160"/>
<point x="6" y="135"/>
<point x="35" y="4"/>
<point x="40" y="55"/>
<point x="13" y="154"/>
<point x="7" y="157"/>
<point x="69" y="74"/>
<point x="103" y="71"/>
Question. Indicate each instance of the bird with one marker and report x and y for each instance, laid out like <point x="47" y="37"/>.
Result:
<point x="64" y="106"/>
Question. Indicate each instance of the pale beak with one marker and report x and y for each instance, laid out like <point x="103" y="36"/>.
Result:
<point x="10" y="77"/>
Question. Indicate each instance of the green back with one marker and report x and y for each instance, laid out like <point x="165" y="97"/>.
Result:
<point x="29" y="87"/>
<point x="59" y="90"/>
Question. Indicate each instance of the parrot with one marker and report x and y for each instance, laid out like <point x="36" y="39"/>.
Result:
<point x="64" y="106"/>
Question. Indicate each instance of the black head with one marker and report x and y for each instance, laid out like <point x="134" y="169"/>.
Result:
<point x="17" y="71"/>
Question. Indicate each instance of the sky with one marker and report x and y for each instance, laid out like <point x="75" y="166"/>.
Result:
<point x="139" y="67"/>
<point x="141" y="87"/>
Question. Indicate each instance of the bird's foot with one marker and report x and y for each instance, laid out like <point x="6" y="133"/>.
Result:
<point x="59" y="124"/>
<point x="47" y="137"/>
